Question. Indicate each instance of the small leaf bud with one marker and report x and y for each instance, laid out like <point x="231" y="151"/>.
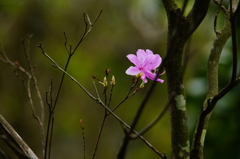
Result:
<point x="105" y="82"/>
<point x="139" y="75"/>
<point x="142" y="84"/>
<point x="113" y="82"/>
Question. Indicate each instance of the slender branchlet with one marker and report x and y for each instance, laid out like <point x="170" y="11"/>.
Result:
<point x="84" y="138"/>
<point x="88" y="27"/>
<point x="30" y="76"/>
<point x="129" y="94"/>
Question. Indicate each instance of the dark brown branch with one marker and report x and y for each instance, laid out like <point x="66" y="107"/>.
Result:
<point x="128" y="93"/>
<point x="84" y="140"/>
<point x="154" y="122"/>
<point x="196" y="15"/>
<point x="179" y="30"/>
<point x="216" y="16"/>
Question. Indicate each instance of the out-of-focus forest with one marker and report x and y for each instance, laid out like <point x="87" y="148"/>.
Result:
<point x="122" y="29"/>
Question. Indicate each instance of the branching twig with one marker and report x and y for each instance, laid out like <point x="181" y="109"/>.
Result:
<point x="128" y="94"/>
<point x="102" y="123"/>
<point x="70" y="52"/>
<point x="34" y="79"/>
<point x="26" y="82"/>
<point x="87" y="30"/>
<point x="98" y="100"/>
<point x="234" y="81"/>
<point x="154" y="122"/>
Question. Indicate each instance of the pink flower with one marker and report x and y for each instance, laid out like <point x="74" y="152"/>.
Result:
<point x="145" y="64"/>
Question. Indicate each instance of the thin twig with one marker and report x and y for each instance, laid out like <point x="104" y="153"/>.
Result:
<point x="70" y="52"/>
<point x="49" y="101"/>
<point x="104" y="116"/>
<point x="26" y="82"/>
<point x="87" y="30"/>
<point x="84" y="139"/>
<point x="26" y="49"/>
<point x="57" y="66"/>
<point x="154" y="122"/>
<point x="65" y="43"/>
<point x="2" y="154"/>
<point x="128" y="94"/>
<point x="216" y="16"/>
<point x="110" y="95"/>
<point x="98" y="100"/>
<point x="99" y="135"/>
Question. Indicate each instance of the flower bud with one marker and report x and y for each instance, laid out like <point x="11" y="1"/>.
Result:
<point x="112" y="82"/>
<point x="139" y="75"/>
<point x="142" y="84"/>
<point x="107" y="71"/>
<point x="105" y="82"/>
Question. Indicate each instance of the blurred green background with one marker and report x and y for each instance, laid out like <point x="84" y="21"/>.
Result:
<point x="123" y="27"/>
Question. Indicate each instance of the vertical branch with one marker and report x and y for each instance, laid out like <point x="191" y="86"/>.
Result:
<point x="84" y="140"/>
<point x="176" y="90"/>
<point x="212" y="78"/>
<point x="104" y="116"/>
<point x="26" y="48"/>
<point x="49" y="101"/>
<point x="233" y="20"/>
<point x="179" y="30"/>
<point x="99" y="135"/>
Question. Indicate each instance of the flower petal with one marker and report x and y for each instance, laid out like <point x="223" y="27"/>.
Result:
<point x="145" y="62"/>
<point x="156" y="61"/>
<point x="160" y="80"/>
<point x="141" y="55"/>
<point x="149" y="52"/>
<point x="133" y="59"/>
<point x="133" y="70"/>
<point x="152" y="76"/>
<point x="143" y="77"/>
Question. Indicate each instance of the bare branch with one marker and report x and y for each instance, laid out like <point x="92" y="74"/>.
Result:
<point x="155" y="120"/>
<point x="128" y="94"/>
<point x="98" y="100"/>
<point x="87" y="30"/>
<point x="196" y="15"/>
<point x="212" y="74"/>
<point x="26" y="82"/>
<point x="25" y="149"/>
